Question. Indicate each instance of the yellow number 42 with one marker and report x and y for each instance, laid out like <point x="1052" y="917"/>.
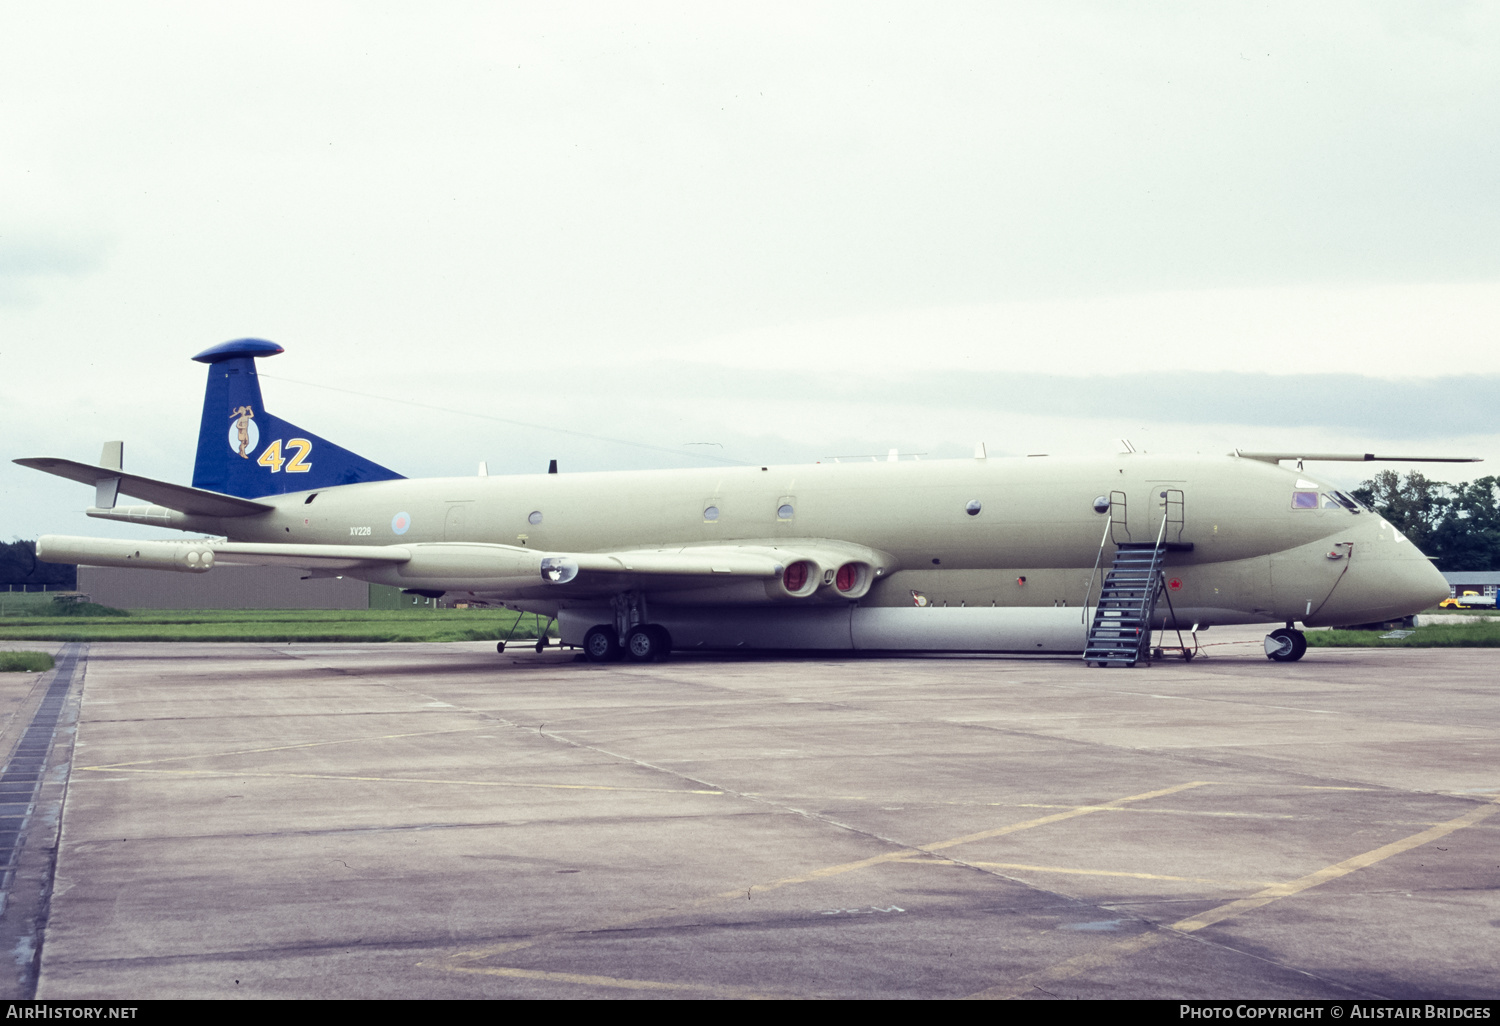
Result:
<point x="297" y="465"/>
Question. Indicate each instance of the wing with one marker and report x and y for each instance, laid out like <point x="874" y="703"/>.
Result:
<point x="752" y="571"/>
<point x="796" y="571"/>
<point x="1349" y="457"/>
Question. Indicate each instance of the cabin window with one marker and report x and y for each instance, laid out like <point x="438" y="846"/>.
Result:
<point x="1101" y="504"/>
<point x="711" y="513"/>
<point x="973" y="508"/>
<point x="535" y="518"/>
<point x="785" y="511"/>
<point x="1304" y="500"/>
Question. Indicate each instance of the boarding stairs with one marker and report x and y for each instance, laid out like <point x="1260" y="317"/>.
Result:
<point x="1121" y="631"/>
<point x="1120" y="634"/>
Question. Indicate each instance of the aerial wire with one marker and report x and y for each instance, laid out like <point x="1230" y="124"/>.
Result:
<point x="513" y="423"/>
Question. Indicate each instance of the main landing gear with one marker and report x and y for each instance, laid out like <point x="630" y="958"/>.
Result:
<point x="1286" y="645"/>
<point x="645" y="643"/>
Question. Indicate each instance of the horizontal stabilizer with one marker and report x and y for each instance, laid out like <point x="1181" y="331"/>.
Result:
<point x="1349" y="457"/>
<point x="193" y="501"/>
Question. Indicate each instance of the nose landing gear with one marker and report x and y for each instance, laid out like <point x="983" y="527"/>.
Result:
<point x="1286" y="645"/>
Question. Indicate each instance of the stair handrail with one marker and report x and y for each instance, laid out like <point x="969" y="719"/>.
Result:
<point x="1098" y="559"/>
<point x="1173" y="497"/>
<point x="1154" y="587"/>
<point x="1124" y="522"/>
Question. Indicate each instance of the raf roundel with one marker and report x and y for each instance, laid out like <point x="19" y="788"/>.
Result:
<point x="400" y="523"/>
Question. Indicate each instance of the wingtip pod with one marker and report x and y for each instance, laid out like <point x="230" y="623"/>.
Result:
<point x="193" y="557"/>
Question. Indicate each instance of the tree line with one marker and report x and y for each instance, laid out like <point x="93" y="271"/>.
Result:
<point x="1458" y="525"/>
<point x="19" y="566"/>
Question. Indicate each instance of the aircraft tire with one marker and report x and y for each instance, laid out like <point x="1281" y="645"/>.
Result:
<point x="647" y="643"/>
<point x="663" y="641"/>
<point x="600" y="644"/>
<point x="1285" y="645"/>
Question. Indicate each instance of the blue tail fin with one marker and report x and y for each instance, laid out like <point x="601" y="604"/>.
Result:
<point x="245" y="451"/>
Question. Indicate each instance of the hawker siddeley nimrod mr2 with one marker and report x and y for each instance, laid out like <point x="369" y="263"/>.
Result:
<point x="1027" y="555"/>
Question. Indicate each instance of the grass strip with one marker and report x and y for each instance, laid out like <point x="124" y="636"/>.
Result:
<point x="281" y="625"/>
<point x="1461" y="635"/>
<point x="27" y="662"/>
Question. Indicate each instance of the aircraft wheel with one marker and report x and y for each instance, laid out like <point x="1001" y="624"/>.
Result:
<point x="499" y="646"/>
<point x="600" y="644"/>
<point x="1285" y="645"/>
<point x="663" y="641"/>
<point x="647" y="643"/>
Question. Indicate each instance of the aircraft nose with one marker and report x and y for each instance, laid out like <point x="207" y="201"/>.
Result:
<point x="1387" y="578"/>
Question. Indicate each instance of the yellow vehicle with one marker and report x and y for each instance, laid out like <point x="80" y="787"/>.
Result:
<point x="1468" y="600"/>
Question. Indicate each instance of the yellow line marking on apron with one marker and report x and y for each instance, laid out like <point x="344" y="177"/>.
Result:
<point x="1115" y="952"/>
<point x="1090" y="872"/>
<point x="586" y="980"/>
<point x="460" y="962"/>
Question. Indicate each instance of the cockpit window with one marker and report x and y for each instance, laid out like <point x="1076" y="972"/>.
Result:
<point x="1329" y="502"/>
<point x="1304" y="500"/>
<point x="1346" y="502"/>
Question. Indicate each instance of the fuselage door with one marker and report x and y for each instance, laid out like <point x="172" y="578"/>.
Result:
<point x="454" y="522"/>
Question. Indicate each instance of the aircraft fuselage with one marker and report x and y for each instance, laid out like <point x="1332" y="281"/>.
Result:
<point x="1244" y="552"/>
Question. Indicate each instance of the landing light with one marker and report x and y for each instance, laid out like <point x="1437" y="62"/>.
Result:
<point x="556" y="570"/>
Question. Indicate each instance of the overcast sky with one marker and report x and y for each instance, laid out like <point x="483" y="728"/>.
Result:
<point x="754" y="232"/>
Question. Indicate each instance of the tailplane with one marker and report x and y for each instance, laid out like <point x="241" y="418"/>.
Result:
<point x="245" y="451"/>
